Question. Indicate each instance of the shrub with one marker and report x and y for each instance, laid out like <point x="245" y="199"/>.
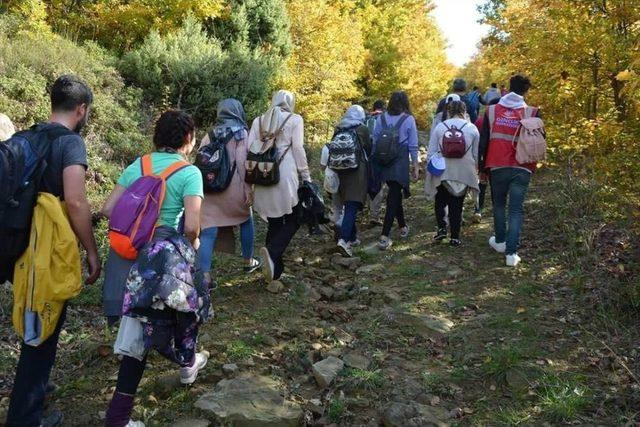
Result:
<point x="28" y="66"/>
<point x="192" y="71"/>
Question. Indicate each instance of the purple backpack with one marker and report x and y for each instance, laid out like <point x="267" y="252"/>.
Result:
<point x="135" y="215"/>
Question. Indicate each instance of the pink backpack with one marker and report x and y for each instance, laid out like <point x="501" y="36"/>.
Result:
<point x="531" y="144"/>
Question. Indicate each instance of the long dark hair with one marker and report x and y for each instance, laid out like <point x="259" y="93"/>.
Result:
<point x="398" y="104"/>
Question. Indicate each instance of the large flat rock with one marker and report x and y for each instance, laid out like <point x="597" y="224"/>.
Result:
<point x="412" y="414"/>
<point x="250" y="401"/>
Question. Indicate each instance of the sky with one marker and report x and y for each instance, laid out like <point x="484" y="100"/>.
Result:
<point x="458" y="20"/>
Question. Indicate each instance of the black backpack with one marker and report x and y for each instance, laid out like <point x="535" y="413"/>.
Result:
<point x="387" y="148"/>
<point x="344" y="150"/>
<point x="214" y="163"/>
<point x="23" y="160"/>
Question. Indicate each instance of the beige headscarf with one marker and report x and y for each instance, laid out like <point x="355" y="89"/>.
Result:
<point x="282" y="104"/>
<point x="6" y="128"/>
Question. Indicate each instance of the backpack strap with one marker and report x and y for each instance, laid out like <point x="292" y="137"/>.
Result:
<point x="146" y="164"/>
<point x="383" y="118"/>
<point x="402" y="120"/>
<point x="173" y="169"/>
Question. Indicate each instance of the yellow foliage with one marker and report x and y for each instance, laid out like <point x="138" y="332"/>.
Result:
<point x="327" y="57"/>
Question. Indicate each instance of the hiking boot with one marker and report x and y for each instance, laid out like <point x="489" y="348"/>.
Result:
<point x="513" y="260"/>
<point x="455" y="243"/>
<point x="374" y="222"/>
<point x="54" y="419"/>
<point x="267" y="267"/>
<point x="345" y="248"/>
<point x="254" y="265"/>
<point x="440" y="235"/>
<point x="498" y="247"/>
<point x="188" y="374"/>
<point x="355" y="243"/>
<point x="404" y="232"/>
<point x="384" y="243"/>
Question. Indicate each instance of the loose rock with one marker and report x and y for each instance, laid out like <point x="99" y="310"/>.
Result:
<point x="250" y="401"/>
<point x="368" y="269"/>
<point x="413" y="415"/>
<point x="191" y="422"/>
<point x="230" y="369"/>
<point x="276" y="287"/>
<point x="326" y="370"/>
<point x="426" y="325"/>
<point x="356" y="360"/>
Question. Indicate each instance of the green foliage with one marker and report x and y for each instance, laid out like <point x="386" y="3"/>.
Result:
<point x="562" y="399"/>
<point x="257" y="24"/>
<point x="367" y="379"/>
<point x="501" y="360"/>
<point x="337" y="409"/>
<point x="28" y="66"/>
<point x="191" y="71"/>
<point x="238" y="350"/>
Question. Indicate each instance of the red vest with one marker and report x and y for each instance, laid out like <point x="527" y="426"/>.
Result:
<point x="505" y="124"/>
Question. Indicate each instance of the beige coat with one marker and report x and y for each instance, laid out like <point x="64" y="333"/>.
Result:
<point x="279" y="200"/>
<point x="232" y="206"/>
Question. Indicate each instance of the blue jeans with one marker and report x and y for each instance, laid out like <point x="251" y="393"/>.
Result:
<point x="511" y="183"/>
<point x="32" y="375"/>
<point x="208" y="239"/>
<point x="348" y="230"/>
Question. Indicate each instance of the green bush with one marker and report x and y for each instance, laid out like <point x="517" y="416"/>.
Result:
<point x="192" y="71"/>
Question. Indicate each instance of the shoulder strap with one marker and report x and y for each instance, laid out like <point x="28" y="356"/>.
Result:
<point x="402" y="120"/>
<point x="384" y="120"/>
<point x="464" y="125"/>
<point x="284" y="122"/>
<point x="146" y="165"/>
<point x="173" y="168"/>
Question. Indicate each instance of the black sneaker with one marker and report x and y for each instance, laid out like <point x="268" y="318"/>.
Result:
<point x="440" y="235"/>
<point x="455" y="242"/>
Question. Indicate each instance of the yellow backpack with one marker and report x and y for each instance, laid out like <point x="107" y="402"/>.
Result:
<point x="47" y="274"/>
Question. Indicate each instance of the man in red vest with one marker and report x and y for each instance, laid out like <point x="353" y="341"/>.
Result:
<point x="509" y="179"/>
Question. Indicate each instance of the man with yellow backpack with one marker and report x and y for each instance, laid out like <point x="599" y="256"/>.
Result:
<point x="44" y="212"/>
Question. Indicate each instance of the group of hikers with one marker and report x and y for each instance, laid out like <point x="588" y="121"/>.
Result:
<point x="165" y="213"/>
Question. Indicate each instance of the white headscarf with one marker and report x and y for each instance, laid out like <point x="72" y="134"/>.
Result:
<point x="6" y="128"/>
<point x="354" y="116"/>
<point x="282" y="104"/>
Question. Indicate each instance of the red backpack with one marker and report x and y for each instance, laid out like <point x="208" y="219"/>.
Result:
<point x="454" y="144"/>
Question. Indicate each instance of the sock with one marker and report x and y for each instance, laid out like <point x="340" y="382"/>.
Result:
<point x="119" y="412"/>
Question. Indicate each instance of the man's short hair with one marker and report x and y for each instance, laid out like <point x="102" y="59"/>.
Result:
<point x="459" y="85"/>
<point x="494" y="85"/>
<point x="379" y="105"/>
<point x="519" y="84"/>
<point x="68" y="92"/>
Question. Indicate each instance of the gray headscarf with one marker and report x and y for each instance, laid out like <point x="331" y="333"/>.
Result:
<point x="355" y="116"/>
<point x="231" y="116"/>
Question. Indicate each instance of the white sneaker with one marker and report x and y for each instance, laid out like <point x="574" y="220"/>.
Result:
<point x="513" y="260"/>
<point x="189" y="374"/>
<point x="355" y="243"/>
<point x="268" y="267"/>
<point x="132" y="423"/>
<point x="345" y="248"/>
<point x="384" y="243"/>
<point x="498" y="247"/>
<point x="404" y="232"/>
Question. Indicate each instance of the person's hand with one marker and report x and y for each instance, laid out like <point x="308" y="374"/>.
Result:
<point x="94" y="266"/>
<point x="416" y="173"/>
<point x="483" y="177"/>
<point x="196" y="244"/>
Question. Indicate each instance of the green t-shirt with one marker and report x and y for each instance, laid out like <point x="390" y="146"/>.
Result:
<point x="186" y="182"/>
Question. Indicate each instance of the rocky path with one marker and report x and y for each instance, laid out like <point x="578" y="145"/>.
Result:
<point x="421" y="335"/>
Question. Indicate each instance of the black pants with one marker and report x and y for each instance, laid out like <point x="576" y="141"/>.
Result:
<point x="32" y="376"/>
<point x="481" y="196"/>
<point x="130" y="374"/>
<point x="279" y="234"/>
<point x="394" y="208"/>
<point x="444" y="199"/>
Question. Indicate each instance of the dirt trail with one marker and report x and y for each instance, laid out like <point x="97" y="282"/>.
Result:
<point x="430" y="334"/>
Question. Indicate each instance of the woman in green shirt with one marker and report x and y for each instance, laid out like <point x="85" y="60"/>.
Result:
<point x="174" y="140"/>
